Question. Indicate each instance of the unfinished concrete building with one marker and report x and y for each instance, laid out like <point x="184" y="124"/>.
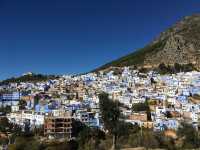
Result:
<point x="58" y="126"/>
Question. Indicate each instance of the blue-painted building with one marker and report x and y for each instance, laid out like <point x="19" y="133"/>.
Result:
<point x="43" y="108"/>
<point x="9" y="99"/>
<point x="161" y="124"/>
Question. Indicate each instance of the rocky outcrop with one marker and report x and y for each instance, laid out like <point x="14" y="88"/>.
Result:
<point x="182" y="43"/>
<point x="179" y="44"/>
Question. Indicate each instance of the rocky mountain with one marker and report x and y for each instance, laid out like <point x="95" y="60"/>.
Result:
<point x="178" y="44"/>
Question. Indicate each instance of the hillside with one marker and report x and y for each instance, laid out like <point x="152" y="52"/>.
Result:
<point x="179" y="44"/>
<point x="28" y="78"/>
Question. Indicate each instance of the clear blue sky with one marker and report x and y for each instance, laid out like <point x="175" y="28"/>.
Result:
<point x="62" y="36"/>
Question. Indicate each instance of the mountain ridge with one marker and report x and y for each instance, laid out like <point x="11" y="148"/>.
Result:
<point x="178" y="44"/>
<point x="33" y="77"/>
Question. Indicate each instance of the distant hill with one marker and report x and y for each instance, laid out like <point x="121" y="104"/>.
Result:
<point x="28" y="78"/>
<point x="179" y="44"/>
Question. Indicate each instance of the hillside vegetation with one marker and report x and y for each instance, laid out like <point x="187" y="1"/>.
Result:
<point x="135" y="58"/>
<point x="28" y="78"/>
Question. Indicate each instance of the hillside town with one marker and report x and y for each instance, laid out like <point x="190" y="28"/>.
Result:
<point x="53" y="104"/>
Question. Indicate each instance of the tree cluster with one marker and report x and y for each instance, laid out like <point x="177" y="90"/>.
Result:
<point x="176" y="68"/>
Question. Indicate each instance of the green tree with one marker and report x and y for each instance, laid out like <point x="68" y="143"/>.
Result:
<point x="189" y="135"/>
<point x="22" y="104"/>
<point x="25" y="143"/>
<point x="36" y="99"/>
<point x="142" y="107"/>
<point x="110" y="113"/>
<point x="163" y="69"/>
<point x="6" y="109"/>
<point x="77" y="127"/>
<point x="178" y="67"/>
<point x="90" y="138"/>
<point x="4" y="124"/>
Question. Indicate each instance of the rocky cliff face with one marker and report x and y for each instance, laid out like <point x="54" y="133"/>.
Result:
<point x="179" y="44"/>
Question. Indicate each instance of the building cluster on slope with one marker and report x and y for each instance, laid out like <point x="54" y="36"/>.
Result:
<point x="171" y="99"/>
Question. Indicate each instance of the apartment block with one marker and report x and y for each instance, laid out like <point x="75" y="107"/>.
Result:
<point x="58" y="126"/>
